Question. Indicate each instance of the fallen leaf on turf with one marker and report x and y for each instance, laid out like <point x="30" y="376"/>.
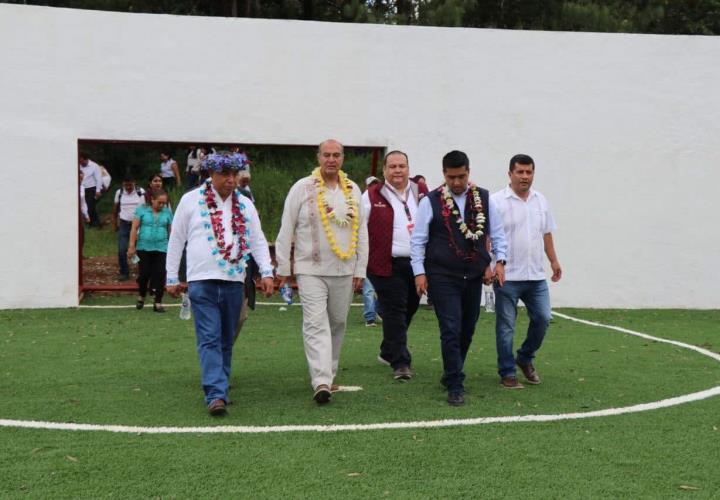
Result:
<point x="687" y="487"/>
<point x="71" y="458"/>
<point x="354" y="474"/>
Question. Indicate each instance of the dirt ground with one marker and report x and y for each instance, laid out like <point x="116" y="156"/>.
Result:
<point x="104" y="271"/>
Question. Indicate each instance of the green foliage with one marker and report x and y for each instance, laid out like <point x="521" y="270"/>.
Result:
<point x="700" y="17"/>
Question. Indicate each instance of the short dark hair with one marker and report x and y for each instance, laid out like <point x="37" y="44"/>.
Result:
<point x="455" y="159"/>
<point x="522" y="160"/>
<point x="157" y="192"/>
<point x="128" y="177"/>
<point x="395" y="152"/>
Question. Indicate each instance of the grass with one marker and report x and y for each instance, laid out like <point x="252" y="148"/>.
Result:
<point x="140" y="368"/>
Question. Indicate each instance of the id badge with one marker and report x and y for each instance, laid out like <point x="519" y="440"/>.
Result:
<point x="410" y="227"/>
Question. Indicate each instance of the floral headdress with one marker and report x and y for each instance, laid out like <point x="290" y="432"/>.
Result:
<point x="222" y="161"/>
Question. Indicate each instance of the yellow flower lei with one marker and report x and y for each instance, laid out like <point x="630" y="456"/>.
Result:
<point x="352" y="212"/>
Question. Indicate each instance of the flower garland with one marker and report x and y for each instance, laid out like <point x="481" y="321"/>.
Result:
<point x="212" y="222"/>
<point x="474" y="230"/>
<point x="351" y="215"/>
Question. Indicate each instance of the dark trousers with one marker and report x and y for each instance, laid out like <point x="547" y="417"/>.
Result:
<point x="123" y="240"/>
<point x="457" y="307"/>
<point x="398" y="301"/>
<point x="152" y="272"/>
<point x="168" y="183"/>
<point x="92" y="206"/>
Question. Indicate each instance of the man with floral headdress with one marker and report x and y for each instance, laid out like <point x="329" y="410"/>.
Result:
<point x="221" y="228"/>
<point x="322" y="216"/>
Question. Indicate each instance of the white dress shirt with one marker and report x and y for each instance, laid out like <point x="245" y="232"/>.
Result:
<point x="301" y="225"/>
<point x="189" y="226"/>
<point x="401" y="234"/>
<point x="92" y="177"/>
<point x="526" y="222"/>
<point x="421" y="234"/>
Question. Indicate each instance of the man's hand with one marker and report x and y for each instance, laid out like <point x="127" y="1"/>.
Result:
<point x="131" y="252"/>
<point x="358" y="283"/>
<point x="500" y="273"/>
<point x="488" y="276"/>
<point x="557" y="271"/>
<point x="98" y="194"/>
<point x="267" y="285"/>
<point x="421" y="284"/>
<point x="175" y="290"/>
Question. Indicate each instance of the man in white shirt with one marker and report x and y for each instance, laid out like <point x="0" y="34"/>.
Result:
<point x="322" y="215"/>
<point x="127" y="199"/>
<point x="529" y="225"/>
<point x="391" y="209"/>
<point x="221" y="228"/>
<point x="93" y="185"/>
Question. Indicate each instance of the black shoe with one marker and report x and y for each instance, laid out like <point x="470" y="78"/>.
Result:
<point x="158" y="308"/>
<point x="455" y="399"/>
<point x="139" y="304"/>
<point x="322" y="394"/>
<point x="402" y="373"/>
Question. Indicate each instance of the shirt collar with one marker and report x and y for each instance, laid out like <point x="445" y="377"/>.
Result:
<point x="392" y="188"/>
<point x="509" y="193"/>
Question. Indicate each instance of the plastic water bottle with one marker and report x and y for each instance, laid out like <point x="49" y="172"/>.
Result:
<point x="489" y="300"/>
<point x="286" y="293"/>
<point x="135" y="259"/>
<point x="185" y="307"/>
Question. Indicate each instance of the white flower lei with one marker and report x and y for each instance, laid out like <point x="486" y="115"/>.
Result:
<point x="459" y="220"/>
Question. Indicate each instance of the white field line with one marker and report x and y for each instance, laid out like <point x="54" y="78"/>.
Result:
<point x="426" y="424"/>
<point x="131" y="306"/>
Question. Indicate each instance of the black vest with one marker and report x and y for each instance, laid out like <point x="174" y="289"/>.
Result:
<point x="441" y="257"/>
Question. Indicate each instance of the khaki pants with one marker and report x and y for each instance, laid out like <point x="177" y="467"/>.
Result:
<point x="325" y="303"/>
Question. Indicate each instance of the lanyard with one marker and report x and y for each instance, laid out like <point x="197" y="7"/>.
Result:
<point x="404" y="202"/>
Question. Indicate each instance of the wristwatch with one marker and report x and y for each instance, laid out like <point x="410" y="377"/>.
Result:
<point x="501" y="261"/>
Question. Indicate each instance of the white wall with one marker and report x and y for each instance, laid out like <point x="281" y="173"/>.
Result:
<point x="624" y="128"/>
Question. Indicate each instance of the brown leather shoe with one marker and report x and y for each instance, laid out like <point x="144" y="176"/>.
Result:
<point x="402" y="373"/>
<point x="531" y="375"/>
<point x="322" y="394"/>
<point x="510" y="383"/>
<point x="217" y="408"/>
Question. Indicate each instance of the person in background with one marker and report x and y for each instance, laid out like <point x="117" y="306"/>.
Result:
<point x="106" y="179"/>
<point x="370" y="313"/>
<point x="391" y="208"/>
<point x="529" y="225"/>
<point x="169" y="171"/>
<point x="84" y="217"/>
<point x="244" y="179"/>
<point x="419" y="179"/>
<point x="93" y="185"/>
<point x="192" y="171"/>
<point x="127" y="199"/>
<point x="149" y="240"/>
<point x="252" y="271"/>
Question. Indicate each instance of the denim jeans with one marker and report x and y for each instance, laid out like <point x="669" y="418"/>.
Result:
<point x="369" y="301"/>
<point x="536" y="297"/>
<point x="457" y="307"/>
<point x="123" y="240"/>
<point x="216" y="308"/>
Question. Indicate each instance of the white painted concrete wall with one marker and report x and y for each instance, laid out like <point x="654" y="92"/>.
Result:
<point x="624" y="128"/>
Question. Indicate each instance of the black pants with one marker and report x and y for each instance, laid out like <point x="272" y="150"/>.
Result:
<point x="92" y="206"/>
<point x="398" y="302"/>
<point x="457" y="307"/>
<point x="152" y="271"/>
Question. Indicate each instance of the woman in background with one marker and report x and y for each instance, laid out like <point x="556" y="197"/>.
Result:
<point x="149" y="240"/>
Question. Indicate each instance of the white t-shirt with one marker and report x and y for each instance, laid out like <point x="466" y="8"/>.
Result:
<point x="166" y="169"/>
<point x="129" y="202"/>
<point x="526" y="222"/>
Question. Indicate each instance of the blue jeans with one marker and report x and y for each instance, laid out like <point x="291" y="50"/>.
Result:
<point x="216" y="307"/>
<point x="123" y="240"/>
<point x="369" y="301"/>
<point x="536" y="297"/>
<point x="457" y="307"/>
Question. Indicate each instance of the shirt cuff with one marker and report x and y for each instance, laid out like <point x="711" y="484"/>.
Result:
<point x="172" y="281"/>
<point x="418" y="269"/>
<point x="266" y="273"/>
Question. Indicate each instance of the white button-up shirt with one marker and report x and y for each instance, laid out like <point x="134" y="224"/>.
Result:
<point x="92" y="177"/>
<point x="526" y="222"/>
<point x="401" y="234"/>
<point x="189" y="226"/>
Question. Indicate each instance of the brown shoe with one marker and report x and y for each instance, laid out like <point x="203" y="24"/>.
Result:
<point x="510" y="383"/>
<point x="402" y="373"/>
<point x="322" y="394"/>
<point x="531" y="375"/>
<point x="217" y="408"/>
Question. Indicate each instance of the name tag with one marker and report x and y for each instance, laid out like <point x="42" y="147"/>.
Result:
<point x="379" y="204"/>
<point x="410" y="227"/>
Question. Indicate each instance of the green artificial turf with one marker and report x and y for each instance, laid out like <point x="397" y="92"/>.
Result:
<point x="122" y="366"/>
